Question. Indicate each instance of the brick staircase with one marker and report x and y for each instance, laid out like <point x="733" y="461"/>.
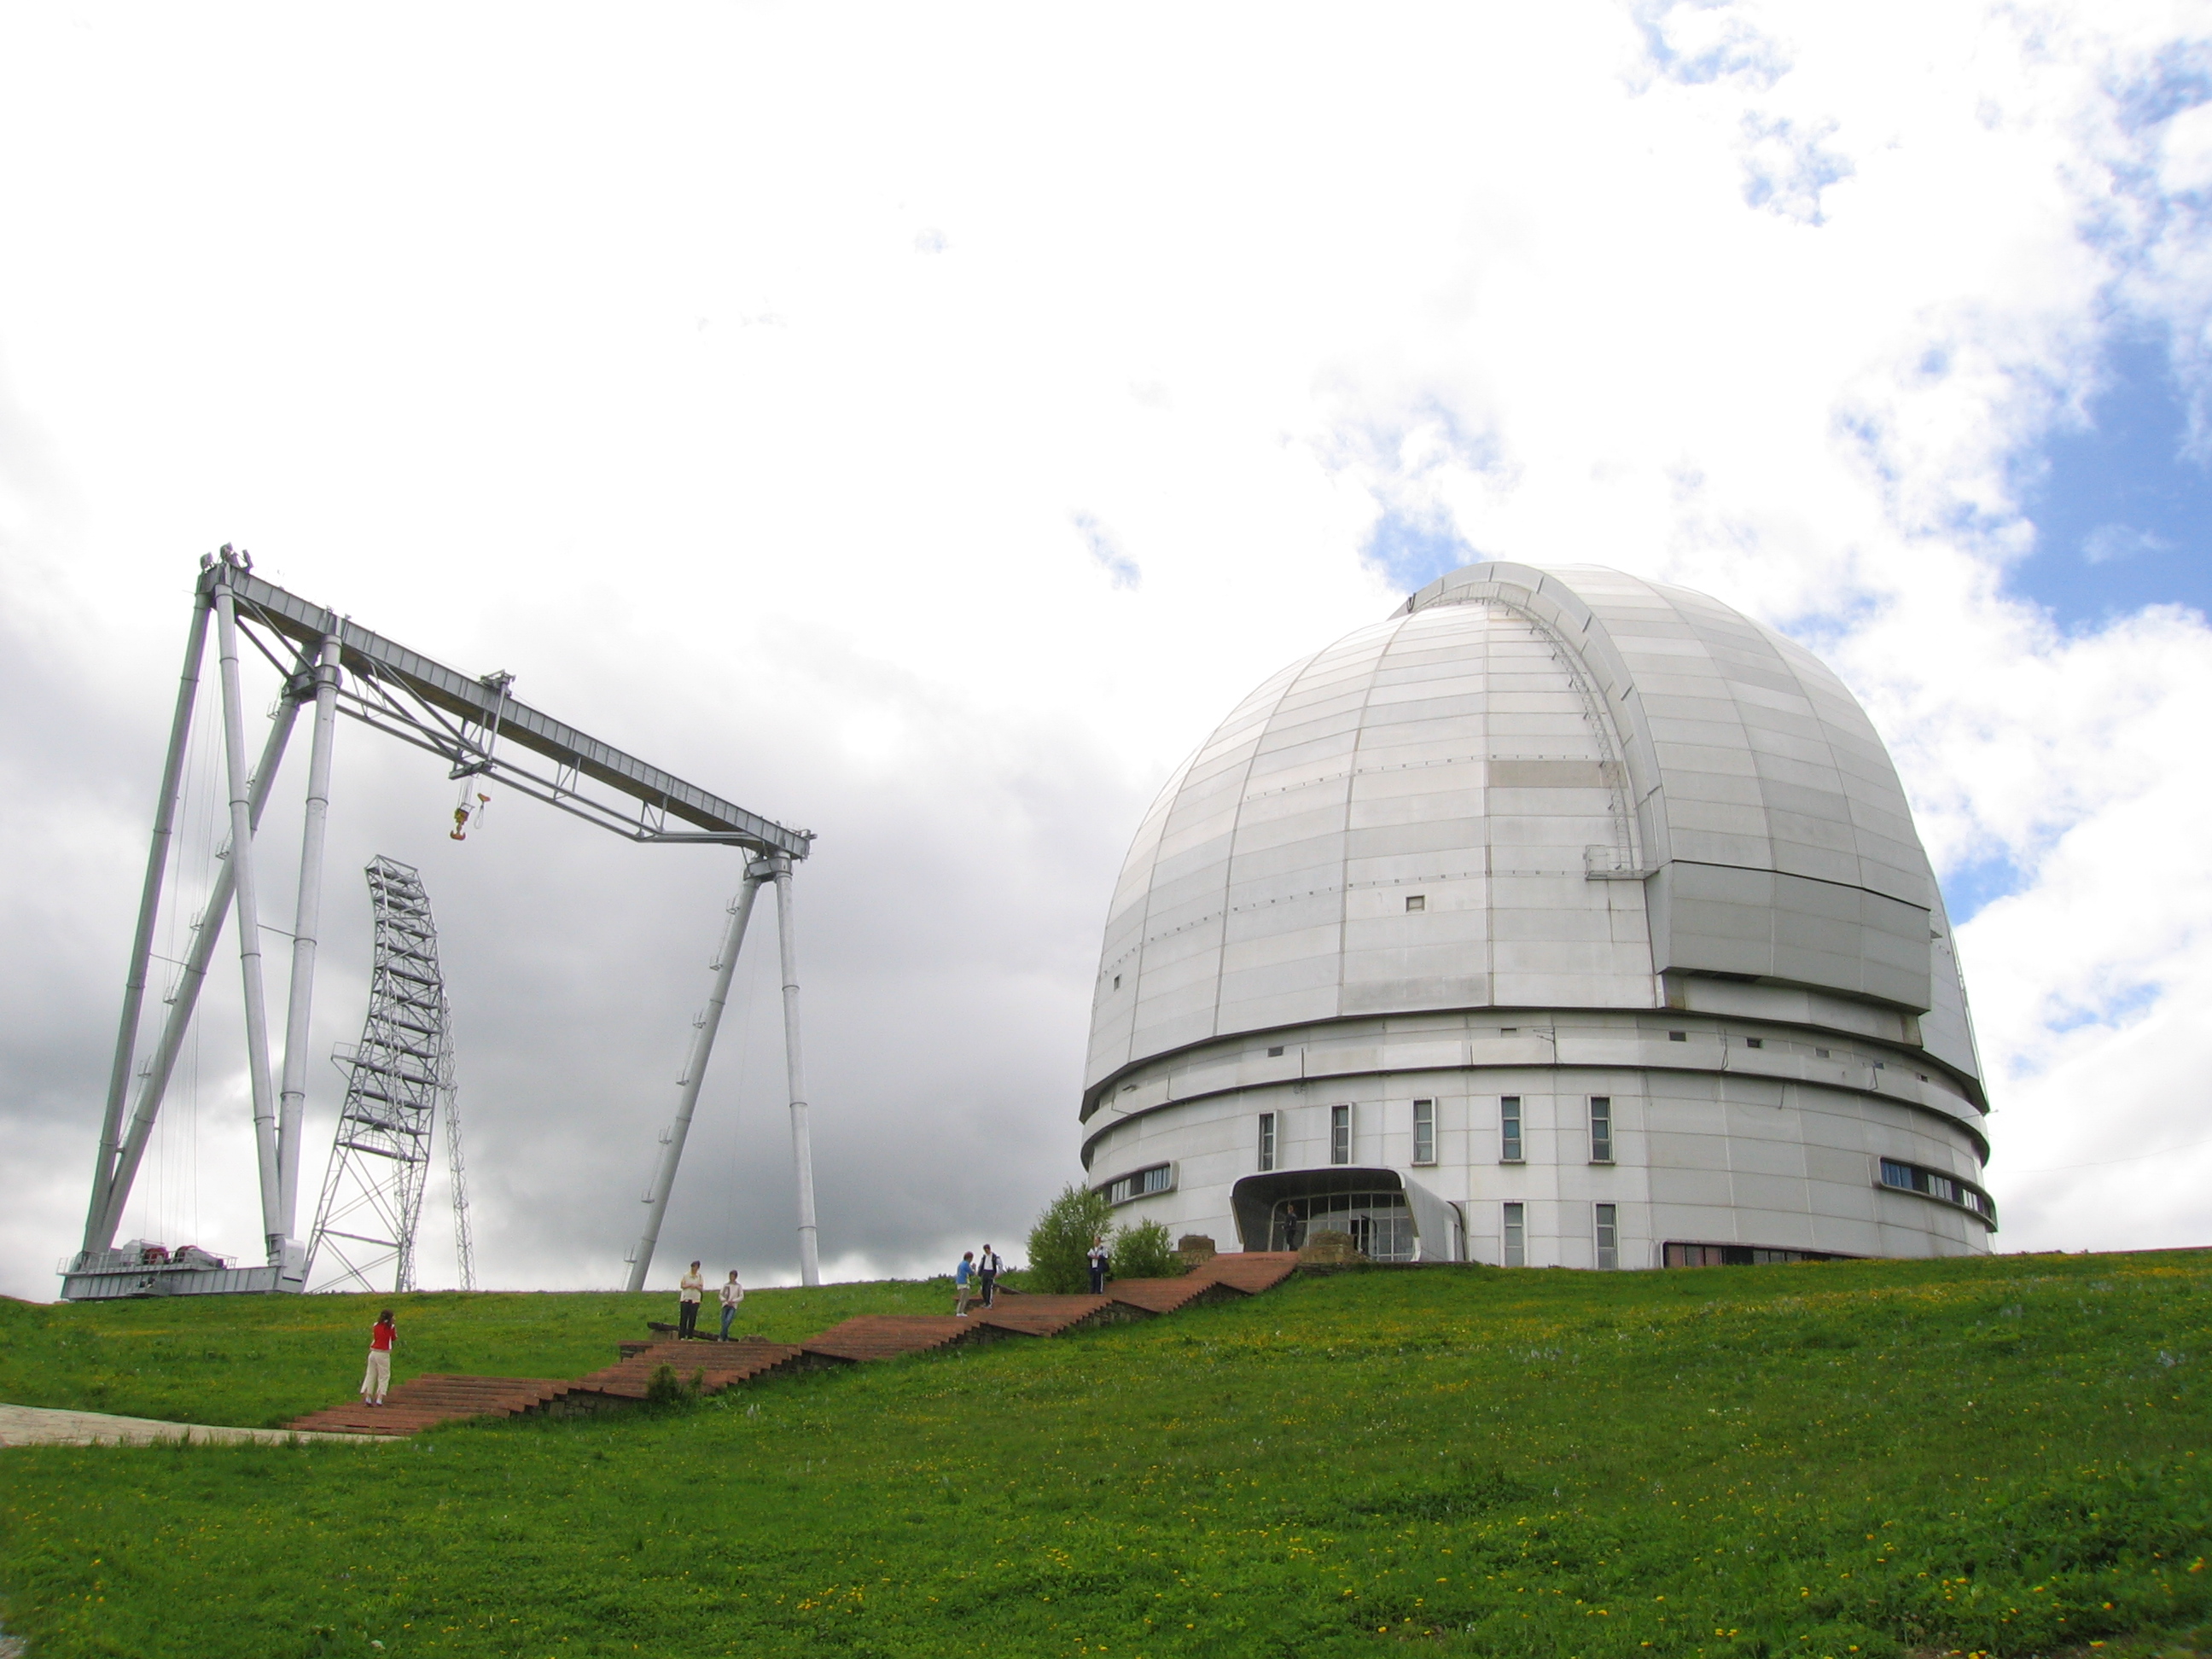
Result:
<point x="1051" y="1316"/>
<point x="713" y="1366"/>
<point x="425" y="1401"/>
<point x="886" y="1336"/>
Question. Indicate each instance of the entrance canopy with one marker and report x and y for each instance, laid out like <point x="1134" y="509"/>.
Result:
<point x="1389" y="1218"/>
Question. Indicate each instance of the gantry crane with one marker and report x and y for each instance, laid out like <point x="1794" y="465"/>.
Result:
<point x="332" y="665"/>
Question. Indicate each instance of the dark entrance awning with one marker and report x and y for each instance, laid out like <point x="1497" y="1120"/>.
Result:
<point x="1388" y="1216"/>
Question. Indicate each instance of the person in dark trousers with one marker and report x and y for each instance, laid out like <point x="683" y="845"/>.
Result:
<point x="963" y="1284"/>
<point x="689" y="1290"/>
<point x="987" y="1268"/>
<point x="1097" y="1267"/>
<point x="377" y="1380"/>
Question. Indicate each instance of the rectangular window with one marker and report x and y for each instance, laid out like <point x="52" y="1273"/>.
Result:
<point x="1754" y="1042"/>
<point x="1601" y="1129"/>
<point x="1609" y="1235"/>
<point x="1424" y="1132"/>
<point x="1516" y="1235"/>
<point x="1267" y="1141"/>
<point x="1678" y="1036"/>
<point x="1339" y="1134"/>
<point x="1417" y="901"/>
<point x="1509" y="1129"/>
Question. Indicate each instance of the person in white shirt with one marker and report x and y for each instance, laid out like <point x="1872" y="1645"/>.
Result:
<point x="733" y="1293"/>
<point x="689" y="1290"/>
<point x="987" y="1269"/>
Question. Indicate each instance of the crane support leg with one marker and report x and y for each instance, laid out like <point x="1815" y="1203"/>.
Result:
<point x="695" y="1073"/>
<point x="184" y="999"/>
<point x="307" y="922"/>
<point x="246" y="897"/>
<point x="150" y="907"/>
<point x="802" y="1143"/>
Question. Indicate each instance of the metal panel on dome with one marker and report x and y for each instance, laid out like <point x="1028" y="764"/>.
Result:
<point x="1782" y="840"/>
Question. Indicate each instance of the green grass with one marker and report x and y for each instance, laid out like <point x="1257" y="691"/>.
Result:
<point x="2005" y="1456"/>
<point x="260" y="1361"/>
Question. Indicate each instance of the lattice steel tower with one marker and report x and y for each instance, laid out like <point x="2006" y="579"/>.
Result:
<point x="396" y="1078"/>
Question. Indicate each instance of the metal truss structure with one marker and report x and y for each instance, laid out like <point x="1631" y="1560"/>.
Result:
<point x="330" y="664"/>
<point x="398" y="1078"/>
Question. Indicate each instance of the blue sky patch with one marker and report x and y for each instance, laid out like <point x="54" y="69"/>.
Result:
<point x="1978" y="883"/>
<point x="1106" y="552"/>
<point x="2122" y="512"/>
<point x="1412" y="550"/>
<point x="2116" y="1010"/>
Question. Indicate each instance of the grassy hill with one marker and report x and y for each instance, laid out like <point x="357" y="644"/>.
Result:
<point x="2002" y="1457"/>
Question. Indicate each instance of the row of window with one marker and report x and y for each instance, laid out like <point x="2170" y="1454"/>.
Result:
<point x="1738" y="1255"/>
<point x="1606" y="1224"/>
<point x="1425" y="1132"/>
<point x="1915" y="1178"/>
<point x="1380" y="1223"/>
<point x="1140" y="1183"/>
<point x="1382" y="1226"/>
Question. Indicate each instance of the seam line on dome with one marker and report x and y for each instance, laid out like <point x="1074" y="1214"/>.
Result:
<point x="1413" y="766"/>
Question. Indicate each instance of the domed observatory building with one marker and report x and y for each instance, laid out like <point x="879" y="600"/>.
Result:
<point x="1564" y="919"/>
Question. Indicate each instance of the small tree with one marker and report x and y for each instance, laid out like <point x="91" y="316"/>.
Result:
<point x="1060" y="1244"/>
<point x="1146" y="1251"/>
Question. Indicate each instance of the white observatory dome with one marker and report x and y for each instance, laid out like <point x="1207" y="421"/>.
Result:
<point x="1561" y="918"/>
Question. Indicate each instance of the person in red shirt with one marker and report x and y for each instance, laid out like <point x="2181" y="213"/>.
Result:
<point x="377" y="1378"/>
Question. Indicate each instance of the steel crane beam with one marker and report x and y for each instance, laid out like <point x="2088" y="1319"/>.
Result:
<point x="473" y="721"/>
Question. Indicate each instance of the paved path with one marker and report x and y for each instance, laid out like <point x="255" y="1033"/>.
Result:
<point x="39" y="1425"/>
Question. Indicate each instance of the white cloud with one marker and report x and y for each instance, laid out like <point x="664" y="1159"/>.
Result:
<point x="2108" y="542"/>
<point x="421" y="327"/>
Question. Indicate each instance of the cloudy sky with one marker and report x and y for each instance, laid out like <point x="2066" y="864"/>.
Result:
<point x="921" y="424"/>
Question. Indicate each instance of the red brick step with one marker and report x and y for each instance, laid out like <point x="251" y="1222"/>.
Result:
<point x="714" y="1366"/>
<point x="1050" y="1315"/>
<point x="424" y="1401"/>
<point x="886" y="1336"/>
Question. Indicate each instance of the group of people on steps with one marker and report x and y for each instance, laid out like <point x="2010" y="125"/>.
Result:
<point x="975" y="1275"/>
<point x="978" y="1274"/>
<point x="690" y="1288"/>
